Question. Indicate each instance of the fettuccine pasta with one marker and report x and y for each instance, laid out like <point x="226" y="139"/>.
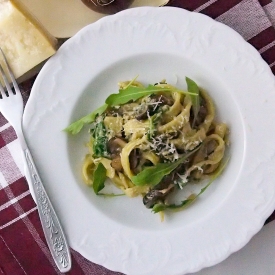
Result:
<point x="151" y="141"/>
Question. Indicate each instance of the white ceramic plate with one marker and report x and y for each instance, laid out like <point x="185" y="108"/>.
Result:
<point x="156" y="43"/>
<point x="63" y="18"/>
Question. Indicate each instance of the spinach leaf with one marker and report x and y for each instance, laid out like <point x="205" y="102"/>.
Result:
<point x="194" y="92"/>
<point x="154" y="174"/>
<point x="76" y="126"/>
<point x="161" y="206"/>
<point x="99" y="178"/>
<point x="100" y="139"/>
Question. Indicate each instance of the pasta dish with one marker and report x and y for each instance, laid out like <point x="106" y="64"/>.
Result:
<point x="152" y="141"/>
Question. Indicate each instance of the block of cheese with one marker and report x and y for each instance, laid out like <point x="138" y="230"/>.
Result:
<point x="25" y="42"/>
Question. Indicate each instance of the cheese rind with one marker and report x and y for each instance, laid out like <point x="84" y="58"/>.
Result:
<point x="22" y="38"/>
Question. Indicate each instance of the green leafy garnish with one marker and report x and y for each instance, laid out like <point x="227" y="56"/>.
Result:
<point x="100" y="139"/>
<point x="132" y="93"/>
<point x="76" y="126"/>
<point x="154" y="174"/>
<point x="194" y="92"/>
<point x="125" y="95"/>
<point x="161" y="206"/>
<point x="99" y="178"/>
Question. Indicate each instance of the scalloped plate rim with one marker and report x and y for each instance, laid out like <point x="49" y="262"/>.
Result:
<point x="32" y="104"/>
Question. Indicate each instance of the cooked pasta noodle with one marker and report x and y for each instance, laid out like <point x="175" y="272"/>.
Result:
<point x="161" y="130"/>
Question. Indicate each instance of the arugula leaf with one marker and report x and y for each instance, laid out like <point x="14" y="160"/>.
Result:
<point x="154" y="174"/>
<point x="194" y="92"/>
<point x="161" y="206"/>
<point x="99" y="178"/>
<point x="76" y="126"/>
<point x="132" y="93"/>
<point x="124" y="96"/>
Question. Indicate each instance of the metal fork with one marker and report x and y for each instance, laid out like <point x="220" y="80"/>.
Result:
<point x="11" y="106"/>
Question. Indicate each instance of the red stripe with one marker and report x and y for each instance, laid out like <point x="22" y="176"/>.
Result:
<point x="8" y="135"/>
<point x="11" y="265"/>
<point x="188" y="5"/>
<point x="26" y="250"/>
<point x="17" y="208"/>
<point x="15" y="189"/>
<point x="269" y="55"/>
<point x="2" y="141"/>
<point x="262" y="39"/>
<point x="27" y="203"/>
<point x="264" y="2"/>
<point x="19" y="186"/>
<point x="8" y="214"/>
<point x="3" y="198"/>
<point x="220" y="7"/>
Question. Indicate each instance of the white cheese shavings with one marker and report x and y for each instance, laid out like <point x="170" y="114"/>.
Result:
<point x="163" y="147"/>
<point x="183" y="180"/>
<point x="199" y="168"/>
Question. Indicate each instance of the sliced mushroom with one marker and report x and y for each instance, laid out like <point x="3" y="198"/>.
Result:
<point x="114" y="146"/>
<point x="210" y="147"/>
<point x="134" y="158"/>
<point x="201" y="114"/>
<point x="155" y="195"/>
<point x="165" y="182"/>
<point x="163" y="99"/>
<point x="116" y="164"/>
<point x="164" y="188"/>
<point x="142" y="113"/>
<point x="160" y="191"/>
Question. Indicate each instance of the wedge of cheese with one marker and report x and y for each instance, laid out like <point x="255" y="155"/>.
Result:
<point x="25" y="42"/>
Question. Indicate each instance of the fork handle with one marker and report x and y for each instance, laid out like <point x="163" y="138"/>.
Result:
<point x="51" y="226"/>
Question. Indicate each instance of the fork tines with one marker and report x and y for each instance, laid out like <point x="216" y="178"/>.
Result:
<point x="7" y="79"/>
